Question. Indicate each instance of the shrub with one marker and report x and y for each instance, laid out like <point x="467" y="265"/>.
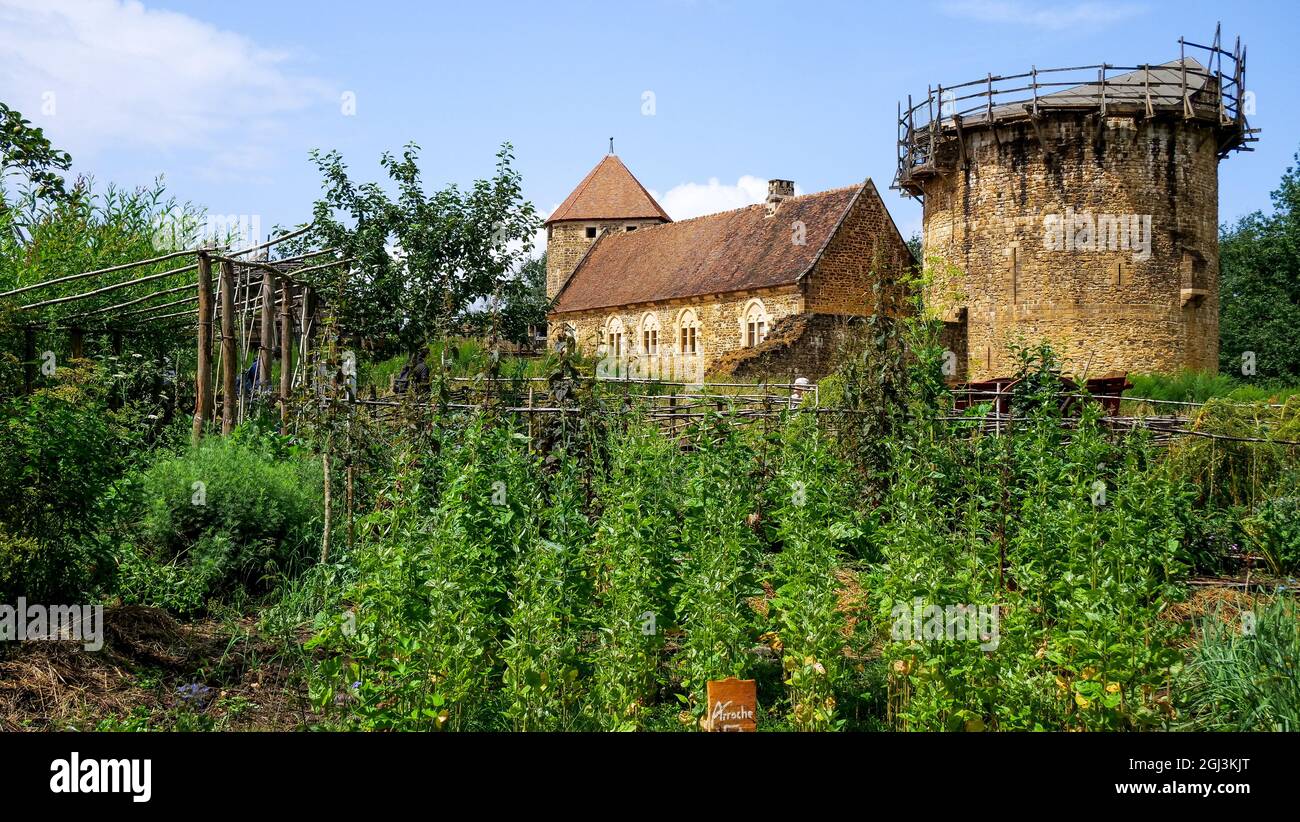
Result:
<point x="811" y="509"/>
<point x="231" y="514"/>
<point x="59" y="457"/>
<point x="419" y="649"/>
<point x="1274" y="528"/>
<point x="719" y="554"/>
<point x="1074" y="541"/>
<point x="637" y="536"/>
<point x="540" y="648"/>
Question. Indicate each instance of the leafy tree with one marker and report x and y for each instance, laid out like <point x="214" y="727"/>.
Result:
<point x="520" y="304"/>
<point x="420" y="260"/>
<point x="27" y="154"/>
<point x="25" y="150"/>
<point x="1259" y="286"/>
<point x="914" y="245"/>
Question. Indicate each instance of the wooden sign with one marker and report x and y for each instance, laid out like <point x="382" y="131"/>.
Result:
<point x="733" y="705"/>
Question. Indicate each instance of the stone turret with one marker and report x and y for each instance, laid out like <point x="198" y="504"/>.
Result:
<point x="1086" y="217"/>
<point x="609" y="198"/>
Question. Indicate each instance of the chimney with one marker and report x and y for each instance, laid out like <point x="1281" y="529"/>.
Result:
<point x="778" y="190"/>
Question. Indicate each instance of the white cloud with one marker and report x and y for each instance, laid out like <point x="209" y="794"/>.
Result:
<point x="695" y="199"/>
<point x="123" y="75"/>
<point x="1051" y="16"/>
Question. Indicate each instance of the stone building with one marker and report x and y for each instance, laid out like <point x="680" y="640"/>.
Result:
<point x="1086" y="217"/>
<point x="763" y="291"/>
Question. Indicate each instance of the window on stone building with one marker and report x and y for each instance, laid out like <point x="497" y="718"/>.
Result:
<point x="591" y="232"/>
<point x="612" y="336"/>
<point x="754" y="324"/>
<point x="1013" y="271"/>
<point x="688" y="334"/>
<point x="650" y="334"/>
<point x="631" y="228"/>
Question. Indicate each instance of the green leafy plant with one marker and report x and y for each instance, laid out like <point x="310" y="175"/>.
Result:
<point x="719" y="553"/>
<point x="1242" y="676"/>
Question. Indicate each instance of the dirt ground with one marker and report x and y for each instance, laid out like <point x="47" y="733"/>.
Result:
<point x="154" y="673"/>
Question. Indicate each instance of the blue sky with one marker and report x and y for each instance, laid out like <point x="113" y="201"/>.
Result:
<point x="226" y="99"/>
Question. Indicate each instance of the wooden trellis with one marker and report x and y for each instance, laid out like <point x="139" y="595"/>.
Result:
<point x="231" y="303"/>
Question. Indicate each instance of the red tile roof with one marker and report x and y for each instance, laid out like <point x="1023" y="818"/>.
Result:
<point x="609" y="192"/>
<point x="731" y="251"/>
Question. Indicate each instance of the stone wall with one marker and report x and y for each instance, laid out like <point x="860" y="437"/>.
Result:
<point x="865" y="251"/>
<point x="801" y="345"/>
<point x="720" y="319"/>
<point x="992" y="246"/>
<point x="953" y="338"/>
<point x="566" y="242"/>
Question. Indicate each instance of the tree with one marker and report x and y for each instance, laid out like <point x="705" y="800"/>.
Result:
<point x="520" y="304"/>
<point x="420" y="261"/>
<point x="27" y="154"/>
<point x="914" y="245"/>
<point x="1259" y="286"/>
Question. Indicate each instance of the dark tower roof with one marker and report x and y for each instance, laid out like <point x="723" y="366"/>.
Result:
<point x="1209" y="93"/>
<point x="1162" y="85"/>
<point x="609" y="192"/>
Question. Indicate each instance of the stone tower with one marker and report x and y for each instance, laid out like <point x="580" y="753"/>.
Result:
<point x="609" y="198"/>
<point x="1086" y="216"/>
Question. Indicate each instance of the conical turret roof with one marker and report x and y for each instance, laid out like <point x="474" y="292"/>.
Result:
<point x="609" y="192"/>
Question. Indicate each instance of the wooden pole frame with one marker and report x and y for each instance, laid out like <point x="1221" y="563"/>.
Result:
<point x="228" y="355"/>
<point x="203" y="369"/>
<point x="266" y="334"/>
<point x="286" y="350"/>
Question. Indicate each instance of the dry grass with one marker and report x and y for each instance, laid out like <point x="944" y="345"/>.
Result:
<point x="146" y="655"/>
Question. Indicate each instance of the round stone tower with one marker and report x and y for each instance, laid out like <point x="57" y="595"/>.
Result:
<point x="609" y="198"/>
<point x="1084" y="214"/>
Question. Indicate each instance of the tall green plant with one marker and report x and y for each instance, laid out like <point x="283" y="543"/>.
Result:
<point x="637" y="534"/>
<point x="719" y="551"/>
<point x="811" y="506"/>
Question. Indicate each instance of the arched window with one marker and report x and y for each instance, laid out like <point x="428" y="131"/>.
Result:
<point x="754" y="323"/>
<point x="650" y="334"/>
<point x="612" y="337"/>
<point x="688" y="334"/>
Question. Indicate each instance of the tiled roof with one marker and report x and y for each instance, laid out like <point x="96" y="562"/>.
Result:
<point x="609" y="192"/>
<point x="731" y="251"/>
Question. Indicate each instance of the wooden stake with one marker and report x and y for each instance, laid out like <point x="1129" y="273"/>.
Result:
<point x="203" y="371"/>
<point x="228" y="356"/>
<point x="329" y="511"/>
<point x="78" y="343"/>
<point x="286" y="350"/>
<point x="29" y="359"/>
<point x="351" y="524"/>
<point x="266" y="335"/>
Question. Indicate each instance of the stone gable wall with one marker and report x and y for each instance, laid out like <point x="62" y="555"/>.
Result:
<point x="866" y="249"/>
